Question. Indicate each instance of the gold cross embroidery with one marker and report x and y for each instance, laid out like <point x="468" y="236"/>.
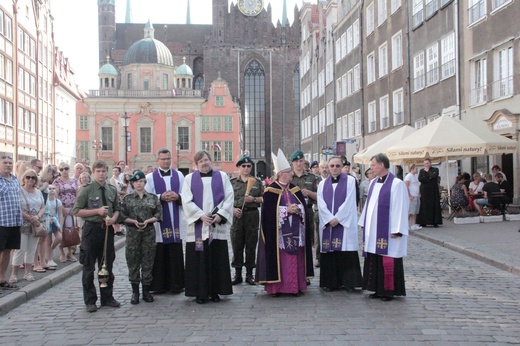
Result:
<point x="167" y="233"/>
<point x="289" y="243"/>
<point x="336" y="242"/>
<point x="198" y="242"/>
<point x="326" y="244"/>
<point x="382" y="243"/>
<point x="177" y="233"/>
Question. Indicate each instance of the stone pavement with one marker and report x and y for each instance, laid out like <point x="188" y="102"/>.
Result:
<point x="452" y="299"/>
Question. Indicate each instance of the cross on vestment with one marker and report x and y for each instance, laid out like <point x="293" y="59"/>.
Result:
<point x="167" y="232"/>
<point x="326" y="244"/>
<point x="336" y="242"/>
<point x="289" y="243"/>
<point x="177" y="233"/>
<point x="382" y="243"/>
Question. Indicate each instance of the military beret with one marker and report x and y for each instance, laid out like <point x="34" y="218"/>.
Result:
<point x="314" y="164"/>
<point x="297" y="155"/>
<point x="137" y="176"/>
<point x="244" y="159"/>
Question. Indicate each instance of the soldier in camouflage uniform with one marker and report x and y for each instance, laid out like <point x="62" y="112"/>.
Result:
<point x="140" y="211"/>
<point x="308" y="183"/>
<point x="244" y="232"/>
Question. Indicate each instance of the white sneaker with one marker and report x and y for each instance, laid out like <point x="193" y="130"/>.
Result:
<point x="51" y="263"/>
<point x="417" y="227"/>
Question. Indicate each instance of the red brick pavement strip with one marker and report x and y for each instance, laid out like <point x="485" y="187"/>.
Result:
<point x="10" y="299"/>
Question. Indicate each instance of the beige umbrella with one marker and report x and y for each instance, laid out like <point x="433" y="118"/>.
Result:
<point x="384" y="143"/>
<point x="447" y="137"/>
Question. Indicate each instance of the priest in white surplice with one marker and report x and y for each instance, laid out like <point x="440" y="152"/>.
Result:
<point x="207" y="200"/>
<point x="168" y="267"/>
<point x="385" y="222"/>
<point x="338" y="231"/>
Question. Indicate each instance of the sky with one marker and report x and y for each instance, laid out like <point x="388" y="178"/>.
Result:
<point x="76" y="31"/>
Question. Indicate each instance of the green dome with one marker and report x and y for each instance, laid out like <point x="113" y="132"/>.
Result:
<point x="184" y="70"/>
<point x="108" y="69"/>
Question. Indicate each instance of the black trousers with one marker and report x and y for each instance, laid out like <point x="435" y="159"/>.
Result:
<point x="92" y="245"/>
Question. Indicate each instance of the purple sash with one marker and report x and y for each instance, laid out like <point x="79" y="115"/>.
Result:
<point x="383" y="214"/>
<point x="290" y="231"/>
<point x="170" y="234"/>
<point x="197" y="190"/>
<point x="333" y="236"/>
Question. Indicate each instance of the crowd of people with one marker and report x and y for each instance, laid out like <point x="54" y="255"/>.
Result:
<point x="276" y="226"/>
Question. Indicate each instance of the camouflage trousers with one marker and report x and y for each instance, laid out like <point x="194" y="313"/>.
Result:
<point x="244" y="235"/>
<point x="140" y="254"/>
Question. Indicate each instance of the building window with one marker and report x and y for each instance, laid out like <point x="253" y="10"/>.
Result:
<point x="217" y="124"/>
<point x="350" y="82"/>
<point x="448" y="56"/>
<point x="417" y="14"/>
<point x="107" y="138"/>
<point x="9" y="120"/>
<point x="372" y="116"/>
<point x="397" y="107"/>
<point x="204" y="124"/>
<point x="418" y="72"/>
<point x="479" y="82"/>
<point x="383" y="113"/>
<point x="8" y="32"/>
<point x="146" y="85"/>
<point x="503" y="74"/>
<point x="431" y="8"/>
<point x="477" y="10"/>
<point x="183" y="138"/>
<point x="83" y="151"/>
<point x="355" y="34"/>
<point x="343" y="45"/>
<point x="394" y="5"/>
<point x="350" y="40"/>
<point x="351" y="130"/>
<point x="371" y="68"/>
<point x="83" y="122"/>
<point x="357" y="119"/>
<point x="254" y="110"/>
<point x="216" y="150"/>
<point x="228" y="124"/>
<point x="199" y="83"/>
<point x="381" y="11"/>
<point x="370" y="18"/>
<point x="397" y="50"/>
<point x="2" y="111"/>
<point x="383" y="60"/>
<point x="228" y="151"/>
<point x="145" y="139"/>
<point x="205" y="145"/>
<point x="357" y="78"/>
<point x="432" y="67"/>
<point x="495" y="4"/>
<point x="219" y="101"/>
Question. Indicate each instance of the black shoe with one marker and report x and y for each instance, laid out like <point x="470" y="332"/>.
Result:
<point x="327" y="289"/>
<point x="374" y="296"/>
<point x="299" y="294"/>
<point x="308" y="282"/>
<point x="435" y="226"/>
<point x="147" y="297"/>
<point x="91" y="308"/>
<point x="215" y="298"/>
<point x="200" y="300"/>
<point x="135" y="298"/>
<point x="237" y="280"/>
<point x="276" y="295"/>
<point x="387" y="299"/>
<point x="250" y="281"/>
<point x="111" y="303"/>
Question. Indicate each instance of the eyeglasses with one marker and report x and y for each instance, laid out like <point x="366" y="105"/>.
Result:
<point x="246" y="166"/>
<point x="64" y="169"/>
<point x="31" y="177"/>
<point x="6" y="157"/>
<point x="335" y="166"/>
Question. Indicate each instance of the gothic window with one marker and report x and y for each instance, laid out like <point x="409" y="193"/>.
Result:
<point x="254" y="109"/>
<point x="199" y="83"/>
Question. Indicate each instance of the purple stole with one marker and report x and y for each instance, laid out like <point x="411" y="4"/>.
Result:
<point x="170" y="233"/>
<point x="290" y="231"/>
<point x="333" y="236"/>
<point x="383" y="214"/>
<point x="197" y="190"/>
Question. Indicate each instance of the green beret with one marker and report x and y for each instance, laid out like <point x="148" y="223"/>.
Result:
<point x="297" y="155"/>
<point x="244" y="159"/>
<point x="137" y="176"/>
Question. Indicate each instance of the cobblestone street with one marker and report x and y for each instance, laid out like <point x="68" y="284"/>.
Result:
<point x="451" y="299"/>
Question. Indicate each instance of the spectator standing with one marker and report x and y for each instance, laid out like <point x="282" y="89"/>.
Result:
<point x="430" y="212"/>
<point x="10" y="217"/>
<point x="413" y="186"/>
<point x="66" y="189"/>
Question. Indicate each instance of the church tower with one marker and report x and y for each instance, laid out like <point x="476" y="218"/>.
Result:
<point x="107" y="29"/>
<point x="220" y="13"/>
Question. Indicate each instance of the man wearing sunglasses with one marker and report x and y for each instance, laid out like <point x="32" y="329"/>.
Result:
<point x="308" y="184"/>
<point x="244" y="232"/>
<point x="10" y="216"/>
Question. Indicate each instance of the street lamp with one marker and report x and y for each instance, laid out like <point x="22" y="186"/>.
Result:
<point x="128" y="143"/>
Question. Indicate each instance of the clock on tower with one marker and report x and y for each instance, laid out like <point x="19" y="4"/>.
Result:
<point x="250" y="7"/>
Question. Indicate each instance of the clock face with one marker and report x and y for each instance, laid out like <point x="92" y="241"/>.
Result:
<point x="250" y="7"/>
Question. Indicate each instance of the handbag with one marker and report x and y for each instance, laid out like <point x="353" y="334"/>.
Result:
<point x="70" y="236"/>
<point x="37" y="231"/>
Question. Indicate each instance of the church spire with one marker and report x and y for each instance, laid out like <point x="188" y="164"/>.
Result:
<point x="128" y="16"/>
<point x="188" y="14"/>
<point x="285" y="20"/>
